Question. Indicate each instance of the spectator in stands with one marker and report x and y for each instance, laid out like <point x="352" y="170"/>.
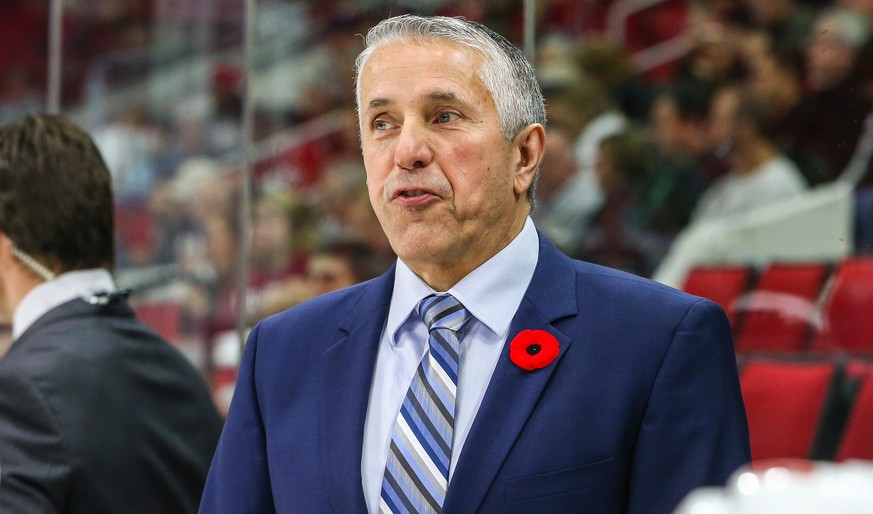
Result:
<point x="342" y="181"/>
<point x="859" y="170"/>
<point x="863" y="7"/>
<point x="17" y="95"/>
<point x="583" y="109"/>
<point x="609" y="67"/>
<point x="363" y="226"/>
<point x="831" y="116"/>
<point x="777" y="80"/>
<point x="282" y="237"/>
<point x="97" y="414"/>
<point x="556" y="171"/>
<point x="833" y="46"/>
<point x="344" y="212"/>
<point x="223" y="123"/>
<point x="611" y="239"/>
<point x="222" y="242"/>
<point x="759" y="175"/>
<point x="714" y="57"/>
<point x="787" y="21"/>
<point x="129" y="143"/>
<point x="340" y="264"/>
<point x="680" y="127"/>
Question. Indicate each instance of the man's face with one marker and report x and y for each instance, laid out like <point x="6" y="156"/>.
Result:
<point x="722" y="127"/>
<point x="442" y="180"/>
<point x="666" y="126"/>
<point x="828" y="59"/>
<point x="765" y="78"/>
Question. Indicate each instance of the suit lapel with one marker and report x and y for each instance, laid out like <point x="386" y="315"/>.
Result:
<point x="346" y="380"/>
<point x="513" y="393"/>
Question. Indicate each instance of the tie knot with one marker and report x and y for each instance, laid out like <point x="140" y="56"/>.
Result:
<point x="443" y="311"/>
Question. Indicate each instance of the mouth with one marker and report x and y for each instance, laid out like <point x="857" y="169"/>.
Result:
<point x="410" y="197"/>
<point x="412" y="193"/>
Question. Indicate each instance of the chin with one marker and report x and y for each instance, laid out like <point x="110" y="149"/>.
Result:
<point x="421" y="253"/>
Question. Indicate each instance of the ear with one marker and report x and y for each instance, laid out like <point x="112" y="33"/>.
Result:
<point x="531" y="144"/>
<point x="5" y="249"/>
<point x="6" y="264"/>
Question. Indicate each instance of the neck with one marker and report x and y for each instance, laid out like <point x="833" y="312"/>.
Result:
<point x="751" y="158"/>
<point x="16" y="285"/>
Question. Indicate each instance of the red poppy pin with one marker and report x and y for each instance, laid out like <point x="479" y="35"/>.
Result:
<point x="533" y="349"/>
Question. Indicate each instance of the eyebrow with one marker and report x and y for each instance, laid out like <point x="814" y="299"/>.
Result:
<point x="378" y="102"/>
<point x="442" y="96"/>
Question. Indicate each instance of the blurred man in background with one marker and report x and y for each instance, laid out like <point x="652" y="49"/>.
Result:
<point x="97" y="413"/>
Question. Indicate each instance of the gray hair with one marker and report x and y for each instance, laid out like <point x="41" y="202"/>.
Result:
<point x="852" y="28"/>
<point x="505" y="72"/>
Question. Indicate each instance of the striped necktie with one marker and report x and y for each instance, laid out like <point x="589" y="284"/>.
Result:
<point x="417" y="471"/>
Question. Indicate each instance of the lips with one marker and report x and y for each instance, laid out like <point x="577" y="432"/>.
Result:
<point x="411" y="193"/>
<point x="412" y="196"/>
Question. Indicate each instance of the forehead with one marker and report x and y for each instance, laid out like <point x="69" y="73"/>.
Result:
<point x="420" y="69"/>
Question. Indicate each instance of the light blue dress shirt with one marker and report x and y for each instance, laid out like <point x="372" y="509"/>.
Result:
<point x="64" y="287"/>
<point x="492" y="293"/>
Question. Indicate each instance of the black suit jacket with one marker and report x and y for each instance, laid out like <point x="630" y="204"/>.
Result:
<point x="100" y="415"/>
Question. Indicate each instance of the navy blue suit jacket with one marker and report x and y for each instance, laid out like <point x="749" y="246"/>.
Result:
<point x="641" y="405"/>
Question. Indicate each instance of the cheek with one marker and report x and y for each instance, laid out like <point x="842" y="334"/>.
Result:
<point x="375" y="178"/>
<point x="472" y="167"/>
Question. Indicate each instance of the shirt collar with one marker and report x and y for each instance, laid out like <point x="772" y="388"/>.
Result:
<point x="48" y="295"/>
<point x="491" y="292"/>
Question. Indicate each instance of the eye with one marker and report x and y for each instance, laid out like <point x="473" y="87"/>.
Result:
<point x="446" y="117"/>
<point x="381" y="125"/>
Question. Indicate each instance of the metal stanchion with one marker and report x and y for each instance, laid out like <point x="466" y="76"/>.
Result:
<point x="530" y="28"/>
<point x="55" y="49"/>
<point x="249" y="40"/>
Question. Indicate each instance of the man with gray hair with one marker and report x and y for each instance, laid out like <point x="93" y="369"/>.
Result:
<point x="830" y="118"/>
<point x="485" y="371"/>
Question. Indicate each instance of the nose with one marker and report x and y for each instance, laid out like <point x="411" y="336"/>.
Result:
<point x="413" y="149"/>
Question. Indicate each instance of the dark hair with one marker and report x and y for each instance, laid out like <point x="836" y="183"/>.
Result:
<point x="753" y="110"/>
<point x="56" y="194"/>
<point x="361" y="259"/>
<point x="692" y="99"/>
<point x="629" y="152"/>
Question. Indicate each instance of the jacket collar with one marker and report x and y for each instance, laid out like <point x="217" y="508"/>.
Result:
<point x="509" y="400"/>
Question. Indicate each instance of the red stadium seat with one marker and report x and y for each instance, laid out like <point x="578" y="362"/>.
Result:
<point x="847" y="313"/>
<point x="787" y="403"/>
<point x="134" y="229"/>
<point x="856" y="441"/>
<point x="722" y="284"/>
<point x="163" y="318"/>
<point x="777" y="314"/>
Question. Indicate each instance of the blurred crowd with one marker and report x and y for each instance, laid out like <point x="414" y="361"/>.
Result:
<point x="768" y="100"/>
<point x="762" y="100"/>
